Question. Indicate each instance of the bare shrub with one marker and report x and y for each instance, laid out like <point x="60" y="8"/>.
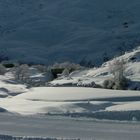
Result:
<point x="22" y="73"/>
<point x="117" y="68"/>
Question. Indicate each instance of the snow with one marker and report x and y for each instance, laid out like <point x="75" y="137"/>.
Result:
<point x="67" y="128"/>
<point x="64" y="97"/>
<point x="7" y="88"/>
<point x="73" y="94"/>
<point x="59" y="82"/>
<point x="100" y="74"/>
<point x="61" y="100"/>
<point x="131" y="106"/>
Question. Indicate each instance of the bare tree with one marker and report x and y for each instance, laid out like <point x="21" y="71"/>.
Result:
<point x="22" y="73"/>
<point x="117" y="68"/>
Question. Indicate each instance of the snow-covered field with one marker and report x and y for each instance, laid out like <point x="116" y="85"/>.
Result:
<point x="68" y="110"/>
<point x="77" y="101"/>
<point x="73" y="100"/>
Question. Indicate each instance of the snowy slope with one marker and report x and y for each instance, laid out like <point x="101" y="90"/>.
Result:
<point x="46" y="31"/>
<point x="10" y="89"/>
<point x="99" y="74"/>
<point x="88" y="102"/>
<point x="76" y="101"/>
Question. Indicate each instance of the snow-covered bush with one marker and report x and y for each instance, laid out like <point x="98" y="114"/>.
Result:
<point x="86" y="84"/>
<point x="33" y="76"/>
<point x="22" y="73"/>
<point x="59" y="68"/>
<point x="2" y="69"/>
<point x="117" y="68"/>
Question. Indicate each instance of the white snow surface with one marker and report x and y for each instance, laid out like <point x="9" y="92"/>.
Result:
<point x="73" y="94"/>
<point x="131" y="106"/>
<point x="67" y="99"/>
<point x="10" y="89"/>
<point x="60" y="100"/>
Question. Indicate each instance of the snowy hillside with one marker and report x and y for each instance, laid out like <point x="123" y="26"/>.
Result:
<point x="99" y="75"/>
<point x="75" y="94"/>
<point x="46" y="31"/>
